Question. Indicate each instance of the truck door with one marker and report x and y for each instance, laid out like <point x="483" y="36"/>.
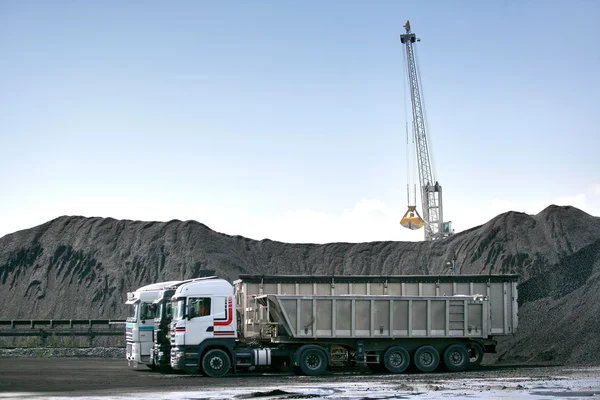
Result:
<point x="200" y="324"/>
<point x="223" y="317"/>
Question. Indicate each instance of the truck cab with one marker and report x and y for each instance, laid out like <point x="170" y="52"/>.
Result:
<point x="160" y="354"/>
<point x="204" y="326"/>
<point x="139" y="327"/>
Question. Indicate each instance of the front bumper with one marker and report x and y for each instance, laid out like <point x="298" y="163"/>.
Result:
<point x="182" y="359"/>
<point x="161" y="356"/>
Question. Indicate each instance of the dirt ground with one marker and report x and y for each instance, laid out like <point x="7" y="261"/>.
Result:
<point x="31" y="378"/>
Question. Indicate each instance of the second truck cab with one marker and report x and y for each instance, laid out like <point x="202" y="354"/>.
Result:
<point x="139" y="327"/>
<point x="204" y="324"/>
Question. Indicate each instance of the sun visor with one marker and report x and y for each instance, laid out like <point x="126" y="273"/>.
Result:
<point x="131" y="298"/>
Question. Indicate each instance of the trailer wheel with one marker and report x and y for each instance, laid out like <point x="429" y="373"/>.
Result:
<point x="456" y="357"/>
<point x="427" y="358"/>
<point x="313" y="361"/>
<point x="476" y="353"/>
<point x="396" y="359"/>
<point x="215" y="363"/>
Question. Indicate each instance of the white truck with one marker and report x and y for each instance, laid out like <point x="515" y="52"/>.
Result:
<point x="139" y="326"/>
<point x="313" y="324"/>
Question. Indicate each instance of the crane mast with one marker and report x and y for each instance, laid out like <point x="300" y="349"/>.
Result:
<point x="431" y="190"/>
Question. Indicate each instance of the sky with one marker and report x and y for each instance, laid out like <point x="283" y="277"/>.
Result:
<point x="286" y="119"/>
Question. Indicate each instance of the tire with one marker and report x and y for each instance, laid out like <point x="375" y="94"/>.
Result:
<point x="313" y="361"/>
<point x="153" y="367"/>
<point x="427" y="358"/>
<point x="456" y="357"/>
<point x="216" y="363"/>
<point x="396" y="359"/>
<point x="476" y="354"/>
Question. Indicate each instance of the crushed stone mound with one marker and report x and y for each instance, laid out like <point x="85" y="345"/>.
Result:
<point x="94" y="352"/>
<point x="76" y="267"/>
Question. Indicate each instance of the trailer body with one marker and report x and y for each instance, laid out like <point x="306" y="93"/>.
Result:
<point x="501" y="290"/>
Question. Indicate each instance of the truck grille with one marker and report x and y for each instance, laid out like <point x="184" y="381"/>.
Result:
<point x="129" y="334"/>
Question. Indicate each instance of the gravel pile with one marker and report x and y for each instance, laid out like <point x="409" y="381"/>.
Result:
<point x="82" y="268"/>
<point x="95" y="352"/>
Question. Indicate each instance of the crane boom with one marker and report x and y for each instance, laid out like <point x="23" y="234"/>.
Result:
<point x="431" y="190"/>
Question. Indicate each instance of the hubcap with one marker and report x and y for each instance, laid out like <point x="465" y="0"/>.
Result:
<point x="426" y="359"/>
<point x="456" y="358"/>
<point x="313" y="361"/>
<point x="396" y="359"/>
<point x="216" y="363"/>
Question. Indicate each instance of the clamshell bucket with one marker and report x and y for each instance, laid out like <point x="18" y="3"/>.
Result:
<point x="411" y="219"/>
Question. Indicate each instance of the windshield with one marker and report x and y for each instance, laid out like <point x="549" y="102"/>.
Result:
<point x="160" y="312"/>
<point x="147" y="311"/>
<point x="164" y="311"/>
<point x="178" y="308"/>
<point x="132" y="312"/>
<point x="168" y="310"/>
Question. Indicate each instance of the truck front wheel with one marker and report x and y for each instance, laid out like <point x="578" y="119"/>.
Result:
<point x="313" y="361"/>
<point x="215" y="363"/>
<point x="427" y="358"/>
<point x="396" y="359"/>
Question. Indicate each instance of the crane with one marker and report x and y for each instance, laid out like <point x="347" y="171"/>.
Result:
<point x="431" y="190"/>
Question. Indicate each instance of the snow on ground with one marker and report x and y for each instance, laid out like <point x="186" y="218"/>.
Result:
<point x="585" y="385"/>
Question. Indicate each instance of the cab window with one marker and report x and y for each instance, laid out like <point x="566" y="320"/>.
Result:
<point x="199" y="307"/>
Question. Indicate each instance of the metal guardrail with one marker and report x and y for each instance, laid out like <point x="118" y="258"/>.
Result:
<point x="44" y="329"/>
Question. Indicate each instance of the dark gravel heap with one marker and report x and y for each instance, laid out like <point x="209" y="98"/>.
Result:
<point x="94" y="352"/>
<point x="76" y="267"/>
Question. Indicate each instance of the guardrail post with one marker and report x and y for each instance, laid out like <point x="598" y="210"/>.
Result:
<point x="43" y="336"/>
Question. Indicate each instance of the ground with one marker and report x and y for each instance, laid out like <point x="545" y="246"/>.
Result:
<point x="32" y="378"/>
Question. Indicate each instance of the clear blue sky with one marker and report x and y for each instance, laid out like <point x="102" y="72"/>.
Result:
<point x="285" y="119"/>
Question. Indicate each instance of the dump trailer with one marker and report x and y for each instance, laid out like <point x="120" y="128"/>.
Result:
<point x="139" y="325"/>
<point x="501" y="290"/>
<point x="313" y="324"/>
